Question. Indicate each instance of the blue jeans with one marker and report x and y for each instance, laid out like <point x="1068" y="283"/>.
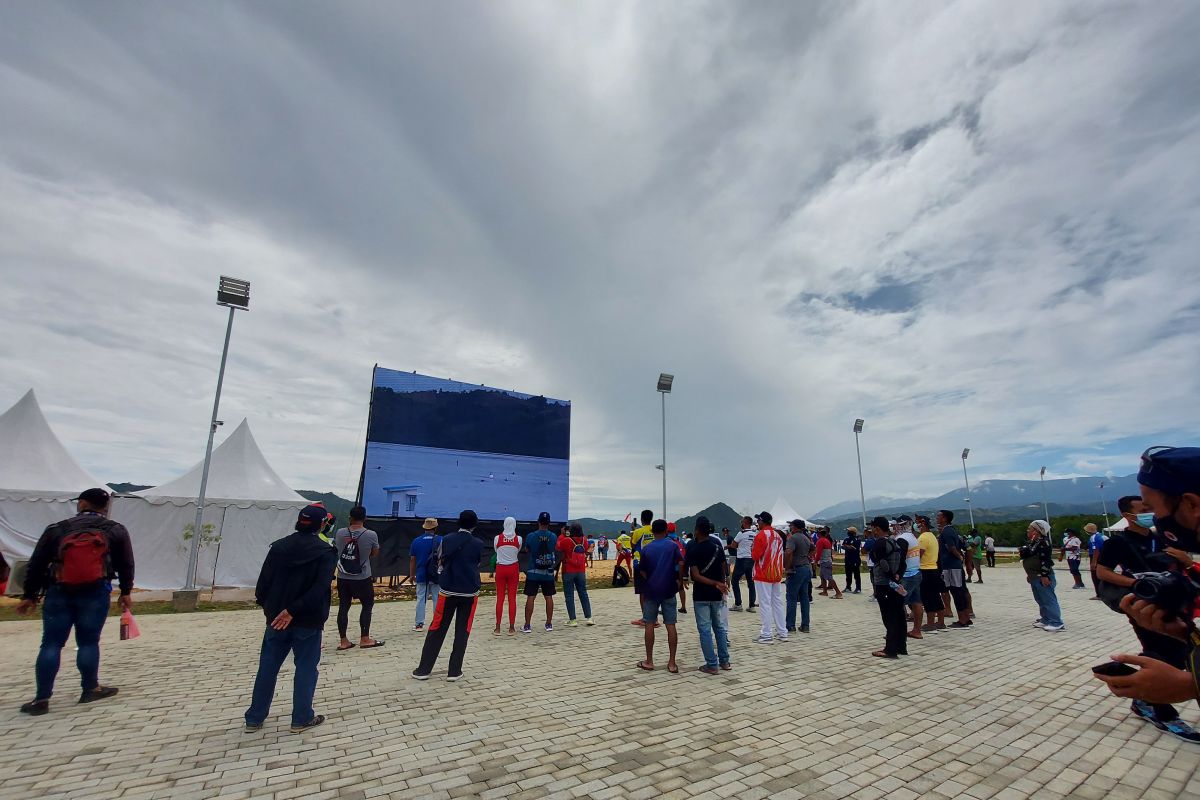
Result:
<point x="425" y="591"/>
<point x="305" y="646"/>
<point x="710" y="620"/>
<point x="576" y="582"/>
<point x="798" y="585"/>
<point x="85" y="611"/>
<point x="1048" y="611"/>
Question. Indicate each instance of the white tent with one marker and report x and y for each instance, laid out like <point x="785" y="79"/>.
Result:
<point x="247" y="505"/>
<point x="782" y="513"/>
<point x="1119" y="525"/>
<point x="38" y="478"/>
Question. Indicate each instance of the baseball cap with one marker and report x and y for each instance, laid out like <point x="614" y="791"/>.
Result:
<point x="313" y="513"/>
<point x="1171" y="470"/>
<point x="96" y="497"/>
<point x="881" y="523"/>
<point x="670" y="527"/>
<point x="430" y="523"/>
<point x="904" y="518"/>
<point x="852" y="529"/>
<point x="544" y="518"/>
<point x="765" y="516"/>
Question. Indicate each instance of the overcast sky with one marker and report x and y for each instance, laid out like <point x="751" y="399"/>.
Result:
<point x="974" y="224"/>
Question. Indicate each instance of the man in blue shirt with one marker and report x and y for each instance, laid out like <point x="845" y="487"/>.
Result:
<point x="950" y="560"/>
<point x="541" y="570"/>
<point x="425" y="580"/>
<point x="1095" y="542"/>
<point x="661" y="578"/>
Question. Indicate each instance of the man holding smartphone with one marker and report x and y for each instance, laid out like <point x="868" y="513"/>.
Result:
<point x="1169" y="479"/>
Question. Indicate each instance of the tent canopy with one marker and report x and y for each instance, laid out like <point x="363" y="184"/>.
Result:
<point x="35" y="461"/>
<point x="1119" y="525"/>
<point x="782" y="513"/>
<point x="239" y="472"/>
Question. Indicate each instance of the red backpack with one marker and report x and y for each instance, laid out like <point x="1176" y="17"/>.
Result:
<point x="82" y="558"/>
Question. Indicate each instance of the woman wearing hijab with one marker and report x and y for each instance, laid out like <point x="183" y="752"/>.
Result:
<point x="507" y="547"/>
<point x="1037" y="557"/>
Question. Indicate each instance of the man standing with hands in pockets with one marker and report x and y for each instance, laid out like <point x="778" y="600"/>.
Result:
<point x="705" y="562"/>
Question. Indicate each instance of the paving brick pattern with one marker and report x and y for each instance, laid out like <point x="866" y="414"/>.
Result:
<point x="1001" y="711"/>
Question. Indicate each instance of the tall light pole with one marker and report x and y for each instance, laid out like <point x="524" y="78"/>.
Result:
<point x="664" y="389"/>
<point x="1103" y="504"/>
<point x="966" y="452"/>
<point x="233" y="294"/>
<point x="1045" y="506"/>
<point x="858" y="426"/>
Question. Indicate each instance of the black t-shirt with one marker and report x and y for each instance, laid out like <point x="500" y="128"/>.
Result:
<point x="850" y="548"/>
<point x="1127" y="550"/>
<point x="708" y="556"/>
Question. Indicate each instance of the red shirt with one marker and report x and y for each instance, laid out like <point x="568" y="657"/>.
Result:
<point x="574" y="553"/>
<point x="823" y="544"/>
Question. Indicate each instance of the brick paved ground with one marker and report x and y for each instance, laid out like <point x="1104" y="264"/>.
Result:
<point x="1003" y="711"/>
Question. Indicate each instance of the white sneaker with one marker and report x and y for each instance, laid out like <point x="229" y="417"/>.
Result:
<point x="1054" y="628"/>
<point x="590" y="621"/>
<point x="780" y="638"/>
<point x="1039" y="624"/>
<point x="765" y="640"/>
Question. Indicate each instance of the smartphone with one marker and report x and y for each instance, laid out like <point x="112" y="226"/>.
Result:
<point x="1113" y="669"/>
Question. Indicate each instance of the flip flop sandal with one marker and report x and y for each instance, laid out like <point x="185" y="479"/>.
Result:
<point x="673" y="669"/>
<point x="643" y="665"/>
<point x="351" y="647"/>
<point x="376" y="643"/>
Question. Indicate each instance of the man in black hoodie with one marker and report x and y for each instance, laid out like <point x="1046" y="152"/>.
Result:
<point x="294" y="592"/>
<point x="458" y="594"/>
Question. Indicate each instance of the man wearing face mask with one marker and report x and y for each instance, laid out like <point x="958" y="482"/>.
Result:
<point x="1170" y="488"/>
<point x="1138" y="549"/>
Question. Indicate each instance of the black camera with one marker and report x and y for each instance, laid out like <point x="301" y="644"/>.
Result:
<point x="1175" y="593"/>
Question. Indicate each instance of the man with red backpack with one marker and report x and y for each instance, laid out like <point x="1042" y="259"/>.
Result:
<point x="73" y="565"/>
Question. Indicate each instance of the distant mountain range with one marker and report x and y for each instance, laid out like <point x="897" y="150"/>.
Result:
<point x="1000" y="498"/>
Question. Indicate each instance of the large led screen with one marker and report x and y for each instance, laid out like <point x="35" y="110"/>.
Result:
<point x="436" y="446"/>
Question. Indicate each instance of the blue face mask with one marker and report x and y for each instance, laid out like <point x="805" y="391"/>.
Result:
<point x="1146" y="520"/>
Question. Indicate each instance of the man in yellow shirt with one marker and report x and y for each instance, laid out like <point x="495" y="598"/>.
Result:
<point x="931" y="578"/>
<point x="638" y="539"/>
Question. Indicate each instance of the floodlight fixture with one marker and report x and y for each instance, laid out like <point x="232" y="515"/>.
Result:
<point x="233" y="292"/>
<point x="664" y="382"/>
<point x="966" y="452"/>
<point x="858" y="425"/>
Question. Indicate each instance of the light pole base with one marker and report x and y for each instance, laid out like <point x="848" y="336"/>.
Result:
<point x="185" y="600"/>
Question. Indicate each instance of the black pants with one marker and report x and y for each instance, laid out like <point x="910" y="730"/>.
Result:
<point x="743" y="566"/>
<point x="853" y="576"/>
<point x="1169" y="650"/>
<point x="449" y="607"/>
<point x="961" y="597"/>
<point x="362" y="590"/>
<point x="891" y="609"/>
<point x="991" y="558"/>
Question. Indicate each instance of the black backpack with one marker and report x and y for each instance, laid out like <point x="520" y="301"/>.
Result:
<point x="351" y="561"/>
<point x="620" y="577"/>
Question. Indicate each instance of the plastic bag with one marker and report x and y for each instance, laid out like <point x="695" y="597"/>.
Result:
<point x="129" y="626"/>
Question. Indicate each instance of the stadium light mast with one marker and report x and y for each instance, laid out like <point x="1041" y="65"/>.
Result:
<point x="862" y="495"/>
<point x="1045" y="506"/>
<point x="970" y="511"/>
<point x="1103" y="504"/>
<point x="234" y="294"/>
<point x="664" y="389"/>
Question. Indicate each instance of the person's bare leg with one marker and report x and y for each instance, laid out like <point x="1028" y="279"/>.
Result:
<point x="529" y="610"/>
<point x="650" y="646"/>
<point x="672" y="645"/>
<point x="833" y="585"/>
<point x="918" y="612"/>
<point x="549" y="610"/>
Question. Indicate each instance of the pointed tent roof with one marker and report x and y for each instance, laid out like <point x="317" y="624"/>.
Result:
<point x="35" y="460"/>
<point x="782" y="513"/>
<point x="239" y="471"/>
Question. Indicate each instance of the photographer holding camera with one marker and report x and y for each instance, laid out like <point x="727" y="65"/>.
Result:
<point x="1165" y="602"/>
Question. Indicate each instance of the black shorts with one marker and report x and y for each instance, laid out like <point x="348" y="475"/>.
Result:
<point x="534" y="586"/>
<point x="932" y="587"/>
